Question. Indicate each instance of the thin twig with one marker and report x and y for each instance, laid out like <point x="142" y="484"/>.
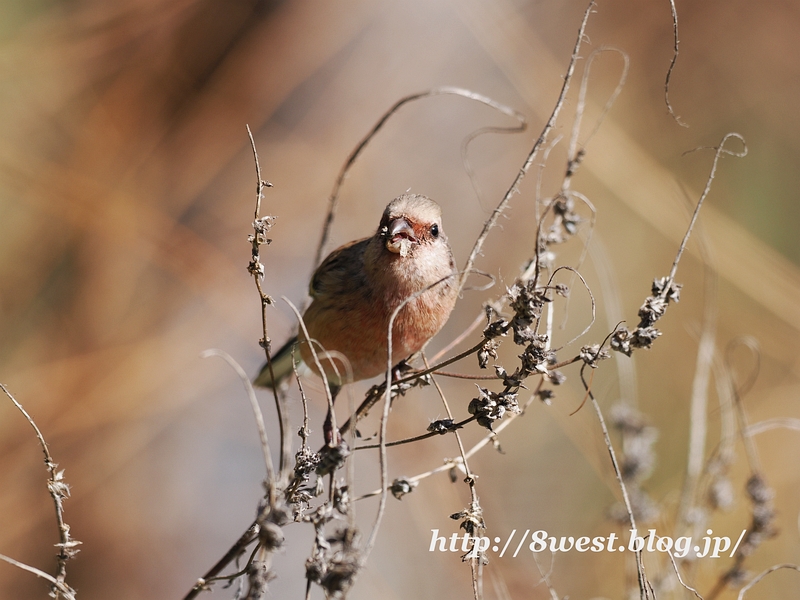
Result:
<point x="542" y="139"/>
<point x="643" y="583"/>
<point x="256" y="269"/>
<point x="475" y="561"/>
<point x="586" y="244"/>
<point x="304" y="432"/>
<point x="738" y="393"/>
<point x="455" y="462"/>
<point x="417" y="438"/>
<point x="387" y="402"/>
<point x="62" y="587"/>
<point x="538" y="201"/>
<point x="725" y="394"/>
<point x="698" y="421"/>
<point x="468" y="376"/>
<point x="763" y="574"/>
<point x="473" y="178"/>
<point x="591" y="298"/>
<point x="672" y="63"/>
<point x="59" y="491"/>
<point x="459" y="338"/>
<point x="719" y="151"/>
<point x="262" y="430"/>
<point x="247" y="538"/>
<point x="469" y="479"/>
<point x="685" y="585"/>
<point x="239" y="573"/>
<point x="328" y="395"/>
<point x="575" y="155"/>
<point x="545" y="577"/>
<point x="775" y="423"/>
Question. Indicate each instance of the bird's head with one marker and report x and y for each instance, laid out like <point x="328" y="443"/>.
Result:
<point x="411" y="221"/>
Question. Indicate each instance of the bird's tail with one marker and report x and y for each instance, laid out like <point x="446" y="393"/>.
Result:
<point x="281" y="366"/>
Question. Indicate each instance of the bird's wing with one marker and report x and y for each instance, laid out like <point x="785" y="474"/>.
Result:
<point x="337" y="271"/>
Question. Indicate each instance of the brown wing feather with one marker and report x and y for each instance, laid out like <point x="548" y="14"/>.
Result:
<point x="335" y="273"/>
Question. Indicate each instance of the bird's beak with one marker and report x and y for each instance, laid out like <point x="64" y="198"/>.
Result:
<point x="400" y="236"/>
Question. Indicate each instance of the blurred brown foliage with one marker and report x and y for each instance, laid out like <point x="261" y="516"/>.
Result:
<point x="126" y="190"/>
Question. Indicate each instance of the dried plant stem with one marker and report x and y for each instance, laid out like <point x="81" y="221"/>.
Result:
<point x="776" y="423"/>
<point x="545" y="577"/>
<point x="763" y="574"/>
<point x="475" y="561"/>
<point x="719" y="151"/>
<point x="550" y="310"/>
<point x="476" y="567"/>
<point x="725" y="393"/>
<point x="469" y="376"/>
<point x="698" y="419"/>
<point x="456" y="462"/>
<point x="674" y="60"/>
<point x="542" y="139"/>
<point x="304" y="433"/>
<point x="259" y="417"/>
<point x="417" y="438"/>
<point x="685" y="585"/>
<point x="738" y="392"/>
<point x="317" y="363"/>
<point x="261" y="226"/>
<point x="383" y="459"/>
<point x="575" y="154"/>
<point x="240" y="572"/>
<point x="247" y="538"/>
<point x="59" y="490"/>
<point x="60" y="586"/>
<point x="387" y="402"/>
<point x="371" y="400"/>
<point x="644" y="585"/>
<point x="459" y="338"/>
<point x="614" y="314"/>
<point x="257" y="270"/>
<point x="469" y="479"/>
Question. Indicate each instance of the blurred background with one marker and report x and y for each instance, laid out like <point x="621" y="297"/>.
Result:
<point x="126" y="196"/>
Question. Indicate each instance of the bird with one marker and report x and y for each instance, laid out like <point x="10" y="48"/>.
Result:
<point x="358" y="287"/>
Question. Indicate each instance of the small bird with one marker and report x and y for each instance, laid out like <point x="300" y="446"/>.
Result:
<point x="359" y="285"/>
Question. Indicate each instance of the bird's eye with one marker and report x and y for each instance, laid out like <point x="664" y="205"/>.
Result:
<point x="435" y="230"/>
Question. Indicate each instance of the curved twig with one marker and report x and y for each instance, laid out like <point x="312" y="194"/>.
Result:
<point x="763" y="574"/>
<point x="591" y="297"/>
<point x="262" y="430"/>
<point x="326" y="385"/>
<point x="333" y="200"/>
<point x="574" y="154"/>
<point x="62" y="587"/>
<point x="719" y="151"/>
<point x="473" y="178"/>
<point x="514" y="188"/>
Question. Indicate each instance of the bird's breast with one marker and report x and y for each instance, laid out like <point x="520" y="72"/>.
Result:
<point x="356" y="324"/>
